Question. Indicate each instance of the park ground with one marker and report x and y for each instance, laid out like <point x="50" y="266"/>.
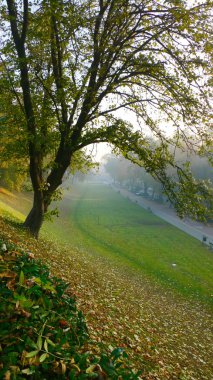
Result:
<point x="133" y="296"/>
<point x="193" y="228"/>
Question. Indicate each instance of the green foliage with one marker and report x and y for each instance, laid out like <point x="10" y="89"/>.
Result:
<point x="13" y="148"/>
<point x="43" y="334"/>
<point x="74" y="72"/>
<point x="11" y="176"/>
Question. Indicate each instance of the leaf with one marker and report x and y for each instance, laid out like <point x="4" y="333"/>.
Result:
<point x="76" y="367"/>
<point x="50" y="342"/>
<point x="25" y="313"/>
<point x="63" y="367"/>
<point x="43" y="357"/>
<point x="37" y="280"/>
<point x="91" y="368"/>
<point x="28" y="371"/>
<point x="49" y="287"/>
<point x="7" y="375"/>
<point x="32" y="354"/>
<point x="7" y="274"/>
<point x="21" y="278"/>
<point x="46" y="345"/>
<point x="4" y="247"/>
<point x="39" y="342"/>
<point x="23" y="301"/>
<point x="31" y="343"/>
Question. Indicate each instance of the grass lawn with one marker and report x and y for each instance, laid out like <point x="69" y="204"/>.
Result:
<point x="118" y="260"/>
<point x="98" y="219"/>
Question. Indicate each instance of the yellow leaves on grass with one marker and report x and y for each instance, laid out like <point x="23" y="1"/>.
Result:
<point x="172" y="336"/>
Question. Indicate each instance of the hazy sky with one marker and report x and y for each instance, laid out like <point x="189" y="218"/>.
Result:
<point x="99" y="150"/>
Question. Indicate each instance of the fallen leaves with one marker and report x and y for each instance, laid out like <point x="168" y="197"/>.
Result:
<point x="165" y="335"/>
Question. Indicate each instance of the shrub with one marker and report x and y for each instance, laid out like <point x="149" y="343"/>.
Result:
<point x="43" y="334"/>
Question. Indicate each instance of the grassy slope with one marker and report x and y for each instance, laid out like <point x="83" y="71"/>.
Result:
<point x="170" y="334"/>
<point x="106" y="224"/>
<point x="95" y="218"/>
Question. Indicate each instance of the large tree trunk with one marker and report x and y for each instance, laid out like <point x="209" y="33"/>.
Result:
<point x="35" y="217"/>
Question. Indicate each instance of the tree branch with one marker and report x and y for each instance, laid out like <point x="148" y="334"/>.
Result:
<point x="13" y="20"/>
<point x="25" y="22"/>
<point x="57" y="67"/>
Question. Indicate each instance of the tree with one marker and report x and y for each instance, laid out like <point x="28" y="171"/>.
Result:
<point x="71" y="66"/>
<point x="117" y="168"/>
<point x="12" y="152"/>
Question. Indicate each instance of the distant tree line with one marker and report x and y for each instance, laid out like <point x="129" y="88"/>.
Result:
<point x="138" y="180"/>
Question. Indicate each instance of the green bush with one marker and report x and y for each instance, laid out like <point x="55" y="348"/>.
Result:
<point x="42" y="333"/>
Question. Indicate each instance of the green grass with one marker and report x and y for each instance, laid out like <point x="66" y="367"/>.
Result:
<point x="101" y="222"/>
<point x="17" y="204"/>
<point x="8" y="210"/>
<point x="123" y="279"/>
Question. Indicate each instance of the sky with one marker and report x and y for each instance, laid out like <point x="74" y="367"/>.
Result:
<point x="99" y="151"/>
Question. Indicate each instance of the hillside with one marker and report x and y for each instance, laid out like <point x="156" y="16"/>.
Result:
<point x="165" y="335"/>
<point x="43" y="333"/>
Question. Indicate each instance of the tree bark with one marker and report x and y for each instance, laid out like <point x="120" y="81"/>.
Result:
<point x="42" y="198"/>
<point x="35" y="217"/>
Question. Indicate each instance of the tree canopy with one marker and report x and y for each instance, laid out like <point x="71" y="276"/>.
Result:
<point x="75" y="73"/>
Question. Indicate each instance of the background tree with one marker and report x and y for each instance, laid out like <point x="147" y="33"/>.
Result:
<point x="136" y="179"/>
<point x="117" y="168"/>
<point x="13" y="150"/>
<point x="71" y="66"/>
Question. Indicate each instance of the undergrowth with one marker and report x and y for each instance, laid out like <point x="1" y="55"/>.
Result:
<point x="43" y="334"/>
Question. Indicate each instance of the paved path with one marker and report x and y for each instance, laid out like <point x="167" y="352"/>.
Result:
<point x="196" y="229"/>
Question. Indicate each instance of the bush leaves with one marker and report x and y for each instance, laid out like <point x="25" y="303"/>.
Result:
<point x="43" y="334"/>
